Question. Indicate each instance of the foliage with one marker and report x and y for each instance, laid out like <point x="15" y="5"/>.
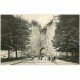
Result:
<point x="14" y="33"/>
<point x="66" y="37"/>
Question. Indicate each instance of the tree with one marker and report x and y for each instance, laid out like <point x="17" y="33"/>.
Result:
<point x="66" y="37"/>
<point x="21" y="34"/>
<point x="14" y="33"/>
<point x="6" y="32"/>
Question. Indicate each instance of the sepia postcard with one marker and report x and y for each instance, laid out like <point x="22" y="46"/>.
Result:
<point x="39" y="39"/>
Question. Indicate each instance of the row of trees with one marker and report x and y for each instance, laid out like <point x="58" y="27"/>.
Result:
<point x="66" y="37"/>
<point x="15" y="32"/>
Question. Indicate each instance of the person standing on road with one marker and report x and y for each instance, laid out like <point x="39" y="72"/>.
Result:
<point x="49" y="58"/>
<point x="32" y="57"/>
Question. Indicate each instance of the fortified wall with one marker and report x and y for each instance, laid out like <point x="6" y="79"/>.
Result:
<point x="42" y="38"/>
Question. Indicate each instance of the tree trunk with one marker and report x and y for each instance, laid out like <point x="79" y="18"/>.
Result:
<point x="66" y="55"/>
<point x="72" y="56"/>
<point x="16" y="53"/>
<point x="9" y="54"/>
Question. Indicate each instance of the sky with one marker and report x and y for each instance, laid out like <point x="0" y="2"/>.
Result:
<point x="43" y="19"/>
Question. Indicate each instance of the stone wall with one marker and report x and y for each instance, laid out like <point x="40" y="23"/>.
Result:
<point x="47" y="39"/>
<point x="35" y="40"/>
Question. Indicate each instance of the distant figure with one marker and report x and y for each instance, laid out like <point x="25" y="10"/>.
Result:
<point x="38" y="58"/>
<point x="49" y="58"/>
<point x="41" y="57"/>
<point x="54" y="58"/>
<point x="32" y="57"/>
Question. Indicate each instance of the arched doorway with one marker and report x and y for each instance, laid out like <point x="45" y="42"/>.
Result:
<point x="42" y="53"/>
